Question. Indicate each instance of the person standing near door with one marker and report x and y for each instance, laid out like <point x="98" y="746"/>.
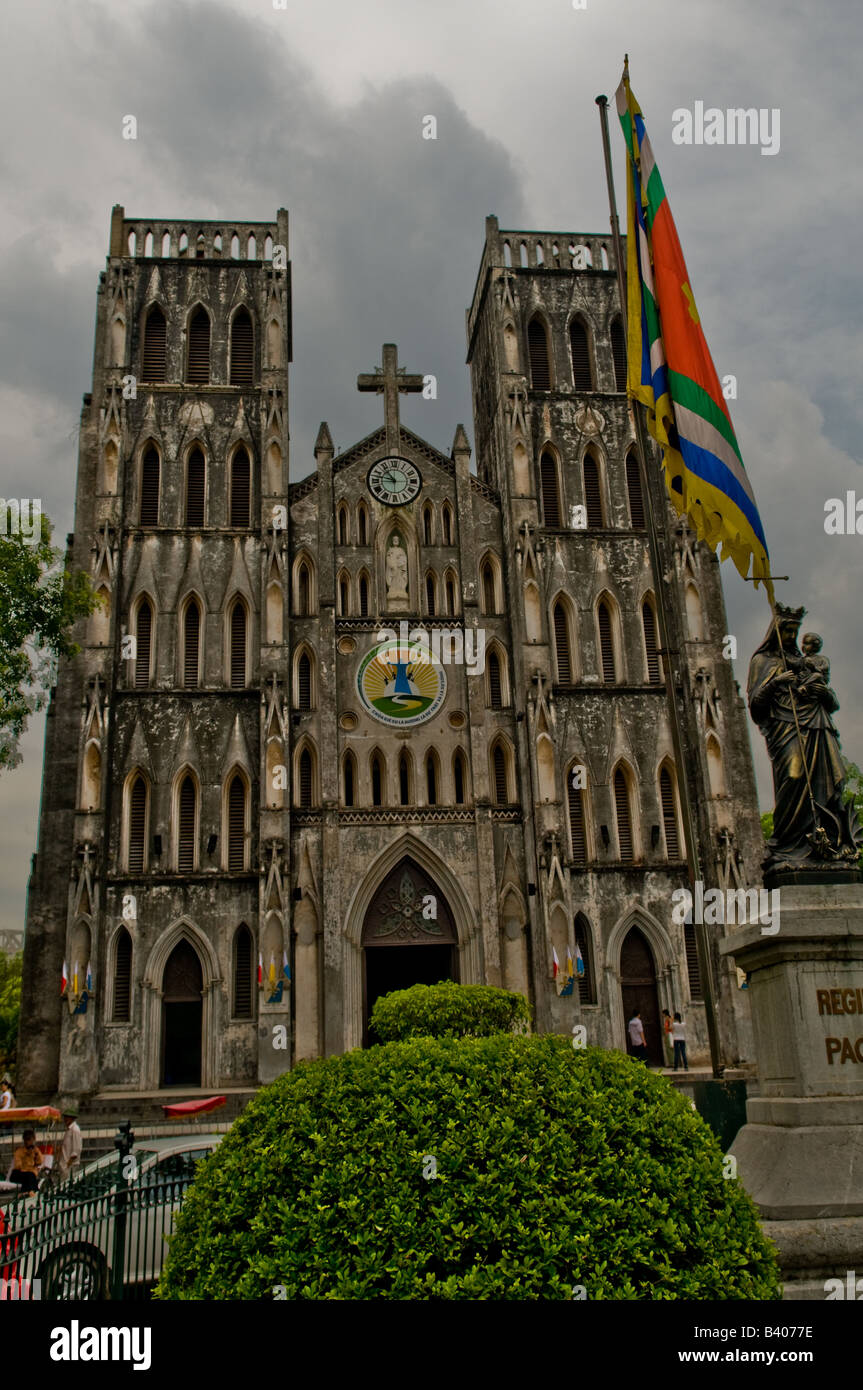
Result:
<point x="636" y="1037"/>
<point x="666" y="1037"/>
<point x="70" y="1149"/>
<point x="678" y="1033"/>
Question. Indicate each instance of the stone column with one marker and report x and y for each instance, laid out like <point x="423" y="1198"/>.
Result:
<point x="800" y="1154"/>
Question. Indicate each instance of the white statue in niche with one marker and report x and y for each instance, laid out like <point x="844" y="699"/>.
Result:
<point x="397" y="572"/>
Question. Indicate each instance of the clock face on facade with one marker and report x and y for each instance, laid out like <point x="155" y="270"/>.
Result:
<point x="394" y="481"/>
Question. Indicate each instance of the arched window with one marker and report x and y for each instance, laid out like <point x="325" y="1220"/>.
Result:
<point x="200" y="247"/>
<point x="651" y="647"/>
<point x="459" y="777"/>
<point x="668" y="800"/>
<point x="500" y="777"/>
<point x="183" y="244"/>
<point x="584" y="948"/>
<point x="242" y="349"/>
<point x="579" y="346"/>
<point x="623" y="811"/>
<point x="489" y="602"/>
<point x="495" y="684"/>
<point x="606" y="644"/>
<point x="447" y="524"/>
<point x="304" y="681"/>
<point x="537" y="346"/>
<point x="714" y="767"/>
<point x="187" y="815"/>
<point x="91" y="778"/>
<point x="592" y="493"/>
<point x="431" y="595"/>
<point x="449" y="594"/>
<point x="305" y="772"/>
<point x="362" y="525"/>
<point x="242" y="963"/>
<point x="198" y="356"/>
<point x="238" y="645"/>
<point x="550" y="492"/>
<point x="144" y="640"/>
<point x="431" y="779"/>
<point x="241" y="485"/>
<point x="427" y="524"/>
<point x="693" y="965"/>
<point x="121" y="1004"/>
<point x="154" y="358"/>
<point x="344" y="595"/>
<point x="236" y="837"/>
<point x="364" y="596"/>
<point x="561" y="644"/>
<point x="577" y="825"/>
<point x="304" y="589"/>
<point x="378" y="780"/>
<point x="343" y="525"/>
<point x="196" y="476"/>
<point x="618" y="353"/>
<point x="404" y="779"/>
<point x="634" y="492"/>
<point x="191" y="644"/>
<point x="150" y="471"/>
<point x="137" y="823"/>
<point x="349" y="774"/>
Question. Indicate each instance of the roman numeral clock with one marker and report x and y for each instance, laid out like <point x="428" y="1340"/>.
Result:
<point x="394" y="481"/>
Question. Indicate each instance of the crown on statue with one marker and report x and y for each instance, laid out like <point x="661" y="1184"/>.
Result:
<point x="792" y="615"/>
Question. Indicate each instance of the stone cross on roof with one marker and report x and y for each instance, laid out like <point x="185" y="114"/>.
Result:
<point x="391" y="379"/>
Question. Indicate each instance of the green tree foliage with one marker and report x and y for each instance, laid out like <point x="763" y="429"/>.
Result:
<point x="449" y="1010"/>
<point x="854" y="792"/>
<point x="767" y="824"/>
<point x="10" y="1008"/>
<point x="39" y="602"/>
<point x="508" y="1167"/>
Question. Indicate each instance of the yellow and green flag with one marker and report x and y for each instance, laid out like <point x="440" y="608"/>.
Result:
<point x="671" y="372"/>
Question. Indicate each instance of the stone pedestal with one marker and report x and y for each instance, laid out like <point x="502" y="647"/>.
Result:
<point x="800" y="1154"/>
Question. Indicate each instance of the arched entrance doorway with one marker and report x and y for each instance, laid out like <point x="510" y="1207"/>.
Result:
<point x="409" y="936"/>
<point x="638" y="987"/>
<point x="182" y="1017"/>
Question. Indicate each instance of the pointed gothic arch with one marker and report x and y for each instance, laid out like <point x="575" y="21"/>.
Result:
<point x="362" y="524"/>
<point x="196" y="485"/>
<point x="343" y="525"/>
<point x="618" y="353"/>
<point x="120" y="958"/>
<point x="497" y="685"/>
<point x="563" y="628"/>
<point x="236" y="820"/>
<point x="237" y="642"/>
<point x="144" y="622"/>
<point x="191" y="641"/>
<point x="349" y="779"/>
<point x="539" y="354"/>
<point x="185" y="820"/>
<point x="305" y="678"/>
<point x="378" y="779"/>
<point x="150" y="484"/>
<point x="135" y="829"/>
<point x="593" y="483"/>
<point x="242" y="349"/>
<point x="715" y="770"/>
<point x="502" y="772"/>
<point x="183" y="930"/>
<point x="306" y="779"/>
<point x="461" y="788"/>
<point x="343" y="589"/>
<point x="90" y="798"/>
<point x="198" y="330"/>
<point x="240" y="488"/>
<point x="549" y="481"/>
<point x="491" y="595"/>
<point x="581" y="354"/>
<point x="154" y="359"/>
<point x="578" y="808"/>
<point x="624" y="785"/>
<point x="650" y="634"/>
<point x="275" y="772"/>
<point x="304" y="586"/>
<point x="669" y="808"/>
<point x="609" y="644"/>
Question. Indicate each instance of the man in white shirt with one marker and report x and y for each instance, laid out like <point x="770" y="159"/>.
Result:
<point x="70" y="1149"/>
<point x="678" y="1034"/>
<point x="636" y="1037"/>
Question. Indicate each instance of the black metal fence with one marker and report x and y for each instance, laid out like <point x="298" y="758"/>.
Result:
<point x="94" y="1239"/>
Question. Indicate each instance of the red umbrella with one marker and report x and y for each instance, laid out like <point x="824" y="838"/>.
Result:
<point x="184" y="1108"/>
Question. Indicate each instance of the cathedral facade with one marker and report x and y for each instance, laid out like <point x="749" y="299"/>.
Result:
<point x="405" y="720"/>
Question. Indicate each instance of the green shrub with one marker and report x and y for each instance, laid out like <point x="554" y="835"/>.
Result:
<point x="554" y="1169"/>
<point x="449" y="1010"/>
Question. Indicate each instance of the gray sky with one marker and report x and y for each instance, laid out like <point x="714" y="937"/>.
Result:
<point x="242" y="108"/>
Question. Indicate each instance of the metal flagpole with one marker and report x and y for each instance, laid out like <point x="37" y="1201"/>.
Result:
<point x="689" y="835"/>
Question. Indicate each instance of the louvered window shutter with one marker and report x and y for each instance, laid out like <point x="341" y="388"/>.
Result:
<point x="430" y="595"/>
<point x="198" y="371"/>
<point x="592" y="495"/>
<point x="618" y="353"/>
<point x="361" y="526"/>
<point x="576" y="824"/>
<point x="648" y="619"/>
<point x="495" y="692"/>
<point x="304" y="682"/>
<point x="633" y="488"/>
<point x="305" y="770"/>
<point x="581" y="373"/>
<point x="122" y="1005"/>
<point x="137" y="825"/>
<point x="186" y="839"/>
<point x="240" y="488"/>
<point x="243" y="973"/>
<point x="343" y="597"/>
<point x="550" y="499"/>
<point x="624" y="817"/>
<point x="693" y="969"/>
<point x="195" y="489"/>
<point x="238" y="646"/>
<point x="606" y="645"/>
<point x="242" y="349"/>
<point x="237" y="823"/>
<point x="669" y="814"/>
<point x="537" y="342"/>
<point x="561" y="644"/>
<point x="586" y="992"/>
<point x="143" y="637"/>
<point x="501" y="790"/>
<point x="191" y="643"/>
<point x="364" y="597"/>
<point x="154" y="363"/>
<point x="150" y="470"/>
<point x="488" y="590"/>
<point x="303" y="591"/>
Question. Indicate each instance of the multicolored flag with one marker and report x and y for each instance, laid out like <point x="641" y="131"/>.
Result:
<point x="271" y="973"/>
<point x="579" y="962"/>
<point x="64" y="979"/>
<point x="671" y="372"/>
<point x="286" y="969"/>
<point x="260" y="970"/>
<point x="555" y="964"/>
<point x="569" y="976"/>
<point x="75" y="979"/>
<point x="89" y="978"/>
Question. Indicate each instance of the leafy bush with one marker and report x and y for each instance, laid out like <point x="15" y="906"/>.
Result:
<point x="449" y="1010"/>
<point x="10" y="1008"/>
<point x="508" y="1167"/>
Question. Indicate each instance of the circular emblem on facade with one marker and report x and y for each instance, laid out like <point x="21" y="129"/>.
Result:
<point x="346" y="645"/>
<point x="394" y="481"/>
<point x="401" y="683"/>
